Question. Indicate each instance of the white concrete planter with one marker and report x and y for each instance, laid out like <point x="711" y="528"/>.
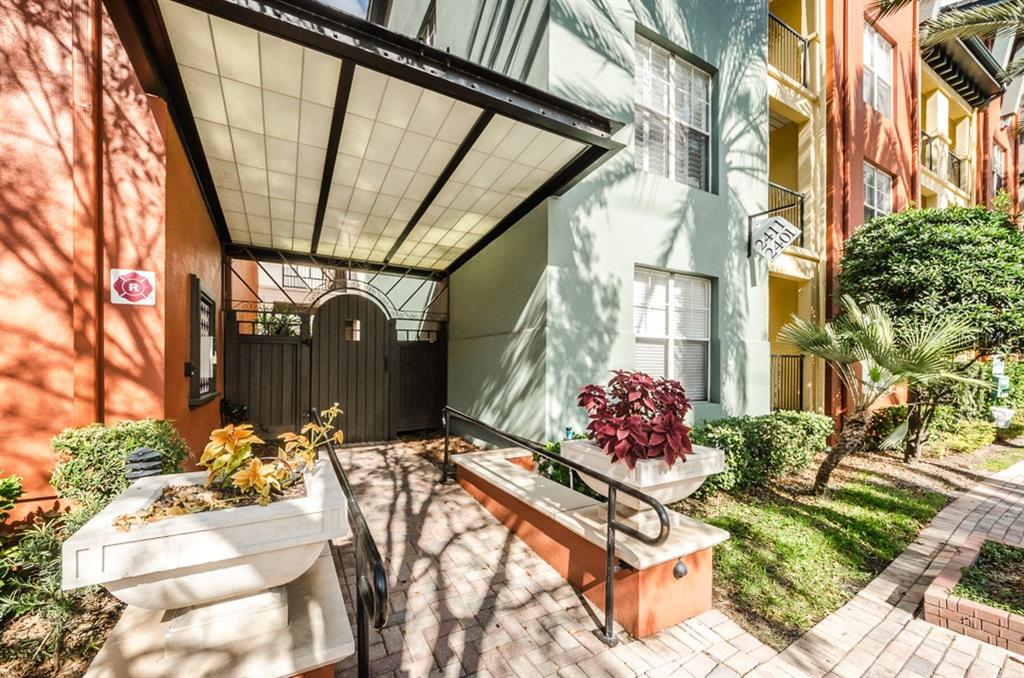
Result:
<point x="1002" y="416"/>
<point x="652" y="476"/>
<point x="202" y="557"/>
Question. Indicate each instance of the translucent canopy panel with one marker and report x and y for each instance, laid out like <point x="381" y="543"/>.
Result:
<point x="506" y="164"/>
<point x="263" y="109"/>
<point x="351" y="151"/>
<point x="396" y="140"/>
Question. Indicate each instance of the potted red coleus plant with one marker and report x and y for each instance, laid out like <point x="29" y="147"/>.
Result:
<point x="638" y="420"/>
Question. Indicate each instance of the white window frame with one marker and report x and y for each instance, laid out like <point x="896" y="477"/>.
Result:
<point x="875" y="174"/>
<point x="875" y="45"/>
<point x="668" y="338"/>
<point x="676" y="66"/>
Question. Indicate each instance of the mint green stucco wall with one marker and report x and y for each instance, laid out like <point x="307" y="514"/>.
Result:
<point x="548" y="306"/>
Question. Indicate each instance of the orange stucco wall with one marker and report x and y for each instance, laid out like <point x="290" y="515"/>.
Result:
<point x="92" y="177"/>
<point x="36" y="196"/>
<point x="859" y="134"/>
<point x="192" y="248"/>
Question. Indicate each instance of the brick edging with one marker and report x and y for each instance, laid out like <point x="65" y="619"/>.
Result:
<point x="977" y="620"/>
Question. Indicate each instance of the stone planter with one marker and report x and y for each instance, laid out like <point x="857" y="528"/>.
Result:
<point x="195" y="559"/>
<point x="652" y="476"/>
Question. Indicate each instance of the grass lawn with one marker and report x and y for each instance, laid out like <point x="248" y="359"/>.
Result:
<point x="1002" y="460"/>
<point x="794" y="558"/>
<point x="996" y="578"/>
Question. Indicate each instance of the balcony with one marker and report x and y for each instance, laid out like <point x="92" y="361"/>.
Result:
<point x="788" y="204"/>
<point x="938" y="157"/>
<point x="787" y="50"/>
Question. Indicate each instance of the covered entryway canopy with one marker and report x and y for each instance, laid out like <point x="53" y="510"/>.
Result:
<point x="320" y="136"/>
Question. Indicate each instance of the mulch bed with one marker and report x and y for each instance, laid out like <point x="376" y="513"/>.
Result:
<point x="23" y="636"/>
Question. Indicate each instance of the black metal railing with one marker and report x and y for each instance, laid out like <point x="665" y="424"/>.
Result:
<point x="613" y="525"/>
<point x="787" y="382"/>
<point x="787" y="49"/>
<point x="371" y="575"/>
<point x="929" y="158"/>
<point x="955" y="169"/>
<point x="787" y="203"/>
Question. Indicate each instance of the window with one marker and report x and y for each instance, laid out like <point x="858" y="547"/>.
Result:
<point x="998" y="169"/>
<point x="672" y="326"/>
<point x="673" y="116"/>
<point x="303" y="277"/>
<point x="352" y="330"/>
<point x="877" y="192"/>
<point x="201" y="368"/>
<point x="877" y="71"/>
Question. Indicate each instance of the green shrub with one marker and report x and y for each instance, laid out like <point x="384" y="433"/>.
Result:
<point x="931" y="263"/>
<point x="883" y="422"/>
<point x="562" y="474"/>
<point x="10" y="490"/>
<point x="91" y="459"/>
<point x="760" y="448"/>
<point x="968" y="436"/>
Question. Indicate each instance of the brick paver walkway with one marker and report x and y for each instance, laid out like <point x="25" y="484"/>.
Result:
<point x="469" y="598"/>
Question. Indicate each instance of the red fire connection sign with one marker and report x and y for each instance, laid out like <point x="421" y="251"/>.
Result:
<point x="129" y="286"/>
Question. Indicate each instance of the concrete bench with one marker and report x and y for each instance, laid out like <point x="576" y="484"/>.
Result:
<point x="568" y="529"/>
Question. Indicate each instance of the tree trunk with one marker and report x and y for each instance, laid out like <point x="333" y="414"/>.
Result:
<point x="851" y="439"/>
<point x="915" y="425"/>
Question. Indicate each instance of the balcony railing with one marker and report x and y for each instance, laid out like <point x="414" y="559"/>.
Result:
<point x="938" y="156"/>
<point x="787" y="382"/>
<point x="788" y="204"/>
<point x="787" y="49"/>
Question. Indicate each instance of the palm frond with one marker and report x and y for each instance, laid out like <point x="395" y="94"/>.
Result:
<point x="975" y="22"/>
<point x="883" y="8"/>
<point x="894" y="440"/>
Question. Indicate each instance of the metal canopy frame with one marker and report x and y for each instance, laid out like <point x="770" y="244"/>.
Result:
<point x="357" y="41"/>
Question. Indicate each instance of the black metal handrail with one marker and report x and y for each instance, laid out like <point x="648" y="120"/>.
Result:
<point x="787" y="203"/>
<point x="614" y="487"/>
<point x="787" y="49"/>
<point x="371" y="575"/>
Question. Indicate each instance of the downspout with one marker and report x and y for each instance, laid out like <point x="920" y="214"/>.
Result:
<point x="87" y="260"/>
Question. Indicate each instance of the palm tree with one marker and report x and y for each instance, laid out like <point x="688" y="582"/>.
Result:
<point x="870" y="358"/>
<point x="983" y="20"/>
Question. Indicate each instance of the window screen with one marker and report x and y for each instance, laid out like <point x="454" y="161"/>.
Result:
<point x="672" y="127"/>
<point x="672" y="328"/>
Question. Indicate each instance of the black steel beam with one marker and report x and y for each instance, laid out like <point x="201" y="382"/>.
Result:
<point x="349" y="37"/>
<point x="149" y="23"/>
<point x="273" y="255"/>
<point x="449" y="169"/>
<point x="348" y="69"/>
<point x="554" y="185"/>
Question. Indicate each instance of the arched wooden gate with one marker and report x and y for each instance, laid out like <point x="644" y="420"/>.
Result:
<point x="352" y="361"/>
<point x="387" y="380"/>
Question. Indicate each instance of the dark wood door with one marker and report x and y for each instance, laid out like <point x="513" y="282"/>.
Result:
<point x="353" y="346"/>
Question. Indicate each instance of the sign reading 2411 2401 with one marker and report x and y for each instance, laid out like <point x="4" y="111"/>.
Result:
<point x="772" y="235"/>
<point x="129" y="286"/>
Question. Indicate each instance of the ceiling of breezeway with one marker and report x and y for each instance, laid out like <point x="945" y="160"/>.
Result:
<point x="313" y="153"/>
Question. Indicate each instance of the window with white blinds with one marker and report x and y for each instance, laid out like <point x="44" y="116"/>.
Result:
<point x="672" y="129"/>
<point x="877" y="192"/>
<point x="877" y="71"/>
<point x="672" y="326"/>
<point x="998" y="169"/>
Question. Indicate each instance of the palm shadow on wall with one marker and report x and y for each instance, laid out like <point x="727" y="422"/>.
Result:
<point x="37" y="195"/>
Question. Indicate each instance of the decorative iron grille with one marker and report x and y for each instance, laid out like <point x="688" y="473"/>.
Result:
<point x="206" y="314"/>
<point x="787" y="382"/>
